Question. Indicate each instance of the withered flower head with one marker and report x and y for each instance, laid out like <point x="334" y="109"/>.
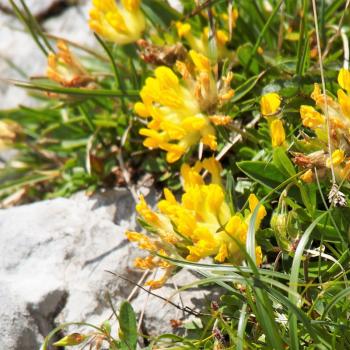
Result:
<point x="64" y="68"/>
<point x="161" y="55"/>
<point x="9" y="132"/>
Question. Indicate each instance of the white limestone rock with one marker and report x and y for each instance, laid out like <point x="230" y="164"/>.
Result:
<point x="36" y="7"/>
<point x="54" y="261"/>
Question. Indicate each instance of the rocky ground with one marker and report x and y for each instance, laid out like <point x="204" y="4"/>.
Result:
<point x="55" y="258"/>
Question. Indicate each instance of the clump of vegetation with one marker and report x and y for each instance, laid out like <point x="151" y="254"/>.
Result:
<point x="240" y="111"/>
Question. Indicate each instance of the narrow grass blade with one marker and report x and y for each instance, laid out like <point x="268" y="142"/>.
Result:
<point x="262" y="33"/>
<point x="294" y="277"/>
<point x="75" y="91"/>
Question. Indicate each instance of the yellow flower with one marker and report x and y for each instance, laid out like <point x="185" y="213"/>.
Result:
<point x="201" y="221"/>
<point x="308" y="176"/>
<point x="232" y="17"/>
<point x="143" y="241"/>
<point x="338" y="112"/>
<point x="258" y="255"/>
<point x="201" y="43"/>
<point x="345" y="171"/>
<point x="121" y="22"/>
<point x="143" y="209"/>
<point x="220" y="119"/>
<point x="183" y="29"/>
<point x="311" y="118"/>
<point x="344" y="79"/>
<point x="141" y="110"/>
<point x="344" y="101"/>
<point x="64" y="68"/>
<point x="338" y="157"/>
<point x="200" y="61"/>
<point x="146" y="263"/>
<point x="155" y="284"/>
<point x="292" y="36"/>
<point x="270" y="104"/>
<point x="150" y="262"/>
<point x="253" y="202"/>
<point x="278" y="135"/>
<point x="177" y="108"/>
<point x="320" y="99"/>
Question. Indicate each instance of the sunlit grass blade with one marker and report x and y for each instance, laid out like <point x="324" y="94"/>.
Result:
<point x="303" y="39"/>
<point x="75" y="91"/>
<point x="334" y="301"/>
<point x="294" y="277"/>
<point x="34" y="24"/>
<point x="29" y="26"/>
<point x="12" y="185"/>
<point x="242" y="324"/>
<point x="246" y="87"/>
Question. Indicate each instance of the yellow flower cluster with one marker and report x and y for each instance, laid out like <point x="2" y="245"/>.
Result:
<point x="339" y="123"/>
<point x="121" y="22"/>
<point x="179" y="107"/>
<point x="270" y="104"/>
<point x="200" y="225"/>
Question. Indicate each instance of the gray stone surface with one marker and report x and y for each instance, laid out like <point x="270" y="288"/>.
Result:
<point x="54" y="258"/>
<point x="158" y="314"/>
<point x="176" y="4"/>
<point x="35" y="6"/>
<point x="17" y="330"/>
<point x="19" y="58"/>
<point x="73" y="25"/>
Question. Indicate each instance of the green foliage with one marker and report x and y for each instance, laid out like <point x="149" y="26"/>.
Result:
<point x="128" y="327"/>
<point x="87" y="138"/>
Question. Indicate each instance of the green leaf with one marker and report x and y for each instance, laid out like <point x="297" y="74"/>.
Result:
<point x="261" y="35"/>
<point x="265" y="173"/>
<point x="294" y="277"/>
<point x="303" y="50"/>
<point x="282" y="161"/>
<point x="107" y="327"/>
<point x="159" y="12"/>
<point x="74" y="91"/>
<point x="244" y="54"/>
<point x="128" y="326"/>
<point x="247" y="86"/>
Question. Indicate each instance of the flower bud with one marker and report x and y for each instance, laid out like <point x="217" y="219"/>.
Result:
<point x="71" y="339"/>
<point x="279" y="224"/>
